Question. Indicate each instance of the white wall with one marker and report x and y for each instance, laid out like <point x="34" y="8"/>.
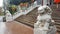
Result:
<point x="44" y="2"/>
<point x="1" y="3"/>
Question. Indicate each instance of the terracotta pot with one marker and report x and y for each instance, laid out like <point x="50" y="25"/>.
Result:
<point x="25" y="4"/>
<point x="21" y="4"/>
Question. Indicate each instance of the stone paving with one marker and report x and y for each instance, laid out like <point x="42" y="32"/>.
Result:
<point x="18" y="28"/>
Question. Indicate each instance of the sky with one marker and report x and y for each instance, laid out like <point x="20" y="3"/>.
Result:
<point x="1" y="3"/>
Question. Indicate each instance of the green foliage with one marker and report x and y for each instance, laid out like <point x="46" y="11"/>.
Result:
<point x="12" y="9"/>
<point x="1" y="14"/>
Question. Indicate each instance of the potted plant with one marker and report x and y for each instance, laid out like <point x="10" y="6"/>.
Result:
<point x="12" y="9"/>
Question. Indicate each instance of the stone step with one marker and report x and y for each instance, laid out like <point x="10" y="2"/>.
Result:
<point x="58" y="26"/>
<point x="26" y="23"/>
<point x="55" y="18"/>
<point x="57" y="23"/>
<point x="58" y="29"/>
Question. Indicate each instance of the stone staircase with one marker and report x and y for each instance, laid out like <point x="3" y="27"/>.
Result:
<point x="28" y="19"/>
<point x="56" y="16"/>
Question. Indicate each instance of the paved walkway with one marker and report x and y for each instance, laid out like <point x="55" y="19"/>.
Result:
<point x="18" y="28"/>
